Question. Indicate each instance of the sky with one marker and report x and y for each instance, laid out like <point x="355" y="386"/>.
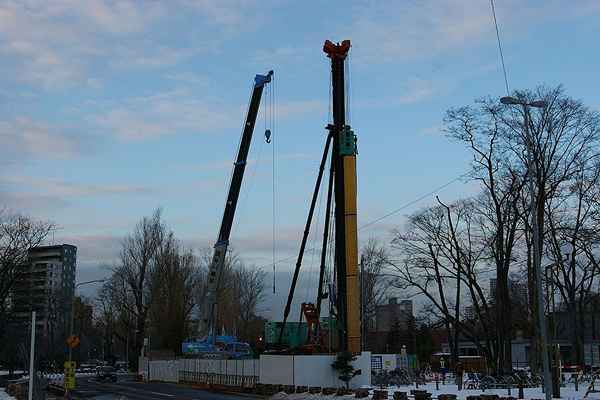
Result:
<point x="110" y="109"/>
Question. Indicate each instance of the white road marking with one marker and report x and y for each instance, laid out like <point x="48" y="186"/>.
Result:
<point x="162" y="394"/>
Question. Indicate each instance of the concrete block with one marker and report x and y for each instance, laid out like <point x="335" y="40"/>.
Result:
<point x="329" y="391"/>
<point x="400" y="396"/>
<point x="314" y="389"/>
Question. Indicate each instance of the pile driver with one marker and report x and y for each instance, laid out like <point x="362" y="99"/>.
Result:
<point x="342" y="185"/>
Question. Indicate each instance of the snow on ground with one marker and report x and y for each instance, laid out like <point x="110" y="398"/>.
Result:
<point x="567" y="393"/>
<point x="4" y="396"/>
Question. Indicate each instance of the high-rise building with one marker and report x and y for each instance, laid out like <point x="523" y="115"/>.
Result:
<point x="394" y="328"/>
<point x="46" y="285"/>
<point x="516" y="287"/>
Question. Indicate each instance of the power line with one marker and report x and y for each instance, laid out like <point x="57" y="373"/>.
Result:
<point x="500" y="47"/>
<point x="397" y="210"/>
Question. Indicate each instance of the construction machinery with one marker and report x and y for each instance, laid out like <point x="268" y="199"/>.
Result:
<point x="208" y="344"/>
<point x="345" y="295"/>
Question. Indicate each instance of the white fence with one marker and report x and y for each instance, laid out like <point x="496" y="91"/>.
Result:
<point x="310" y="370"/>
<point x="240" y="373"/>
<point x="298" y="370"/>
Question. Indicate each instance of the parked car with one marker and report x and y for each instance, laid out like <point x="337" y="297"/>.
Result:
<point x="106" y="374"/>
<point x="121" y="366"/>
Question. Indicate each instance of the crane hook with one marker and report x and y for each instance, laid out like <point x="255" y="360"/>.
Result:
<point x="268" y="136"/>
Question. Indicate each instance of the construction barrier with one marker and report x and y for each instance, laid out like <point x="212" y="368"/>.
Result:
<point x="311" y="370"/>
<point x="232" y="373"/>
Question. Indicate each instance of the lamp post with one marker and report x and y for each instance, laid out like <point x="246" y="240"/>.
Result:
<point x="67" y="394"/>
<point x="551" y="303"/>
<point x="537" y="245"/>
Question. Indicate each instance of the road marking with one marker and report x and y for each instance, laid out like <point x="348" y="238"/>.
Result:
<point x="161" y="394"/>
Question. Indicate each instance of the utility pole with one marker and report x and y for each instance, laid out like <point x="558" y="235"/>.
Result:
<point x="31" y="355"/>
<point x="537" y="260"/>
<point x="362" y="303"/>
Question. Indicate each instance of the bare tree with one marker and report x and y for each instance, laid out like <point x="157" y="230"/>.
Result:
<point x="249" y="291"/>
<point x="559" y="138"/>
<point x="242" y="290"/>
<point x="442" y="253"/>
<point x="137" y="265"/>
<point x="174" y="282"/>
<point x="374" y="279"/>
<point x="18" y="233"/>
<point x="501" y="175"/>
<point x="572" y="246"/>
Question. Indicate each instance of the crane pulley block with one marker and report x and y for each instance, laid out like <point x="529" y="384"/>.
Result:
<point x="347" y="142"/>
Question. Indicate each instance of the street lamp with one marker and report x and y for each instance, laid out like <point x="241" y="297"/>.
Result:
<point x="508" y="100"/>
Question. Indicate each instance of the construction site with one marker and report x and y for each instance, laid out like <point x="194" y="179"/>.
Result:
<point x="301" y="353"/>
<point x="230" y="199"/>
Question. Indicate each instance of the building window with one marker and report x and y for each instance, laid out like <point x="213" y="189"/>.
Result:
<point x="376" y="362"/>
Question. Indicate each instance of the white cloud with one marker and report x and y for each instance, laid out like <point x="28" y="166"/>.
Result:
<point x="58" y="43"/>
<point x="417" y="90"/>
<point x="31" y="203"/>
<point x="405" y="31"/>
<point x="228" y="164"/>
<point x="401" y="31"/>
<point x="94" y="248"/>
<point x="165" y="113"/>
<point x="64" y="189"/>
<point x="435" y="130"/>
<point x="228" y="13"/>
<point x="300" y="107"/>
<point x="188" y="78"/>
<point x="24" y="137"/>
<point x="180" y="111"/>
<point x="414" y="90"/>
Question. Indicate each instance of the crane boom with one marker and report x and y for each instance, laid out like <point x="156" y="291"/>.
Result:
<point x="220" y="249"/>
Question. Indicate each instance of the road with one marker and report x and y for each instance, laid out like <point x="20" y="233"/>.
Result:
<point x="127" y="389"/>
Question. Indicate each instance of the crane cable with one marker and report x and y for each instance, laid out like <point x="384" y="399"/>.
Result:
<point x="270" y="138"/>
<point x="273" y="168"/>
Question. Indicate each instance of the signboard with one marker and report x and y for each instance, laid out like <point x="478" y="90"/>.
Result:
<point x="69" y="381"/>
<point x="73" y="341"/>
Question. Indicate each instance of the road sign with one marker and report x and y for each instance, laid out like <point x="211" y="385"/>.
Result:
<point x="69" y="381"/>
<point x="73" y="341"/>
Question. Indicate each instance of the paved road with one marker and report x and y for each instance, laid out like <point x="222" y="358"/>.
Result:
<point x="88" y="388"/>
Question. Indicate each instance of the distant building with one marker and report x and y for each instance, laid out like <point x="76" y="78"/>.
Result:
<point x="394" y="315"/>
<point x="394" y="328"/>
<point x="46" y="285"/>
<point x="516" y="287"/>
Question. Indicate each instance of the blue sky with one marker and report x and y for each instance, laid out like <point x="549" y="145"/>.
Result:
<point x="109" y="109"/>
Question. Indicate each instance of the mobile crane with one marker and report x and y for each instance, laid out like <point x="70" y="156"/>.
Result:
<point x="220" y="248"/>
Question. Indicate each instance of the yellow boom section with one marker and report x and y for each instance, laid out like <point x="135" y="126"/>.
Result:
<point x="352" y="284"/>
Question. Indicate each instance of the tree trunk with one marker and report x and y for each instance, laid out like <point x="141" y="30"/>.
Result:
<point x="503" y="324"/>
<point x="534" y="353"/>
